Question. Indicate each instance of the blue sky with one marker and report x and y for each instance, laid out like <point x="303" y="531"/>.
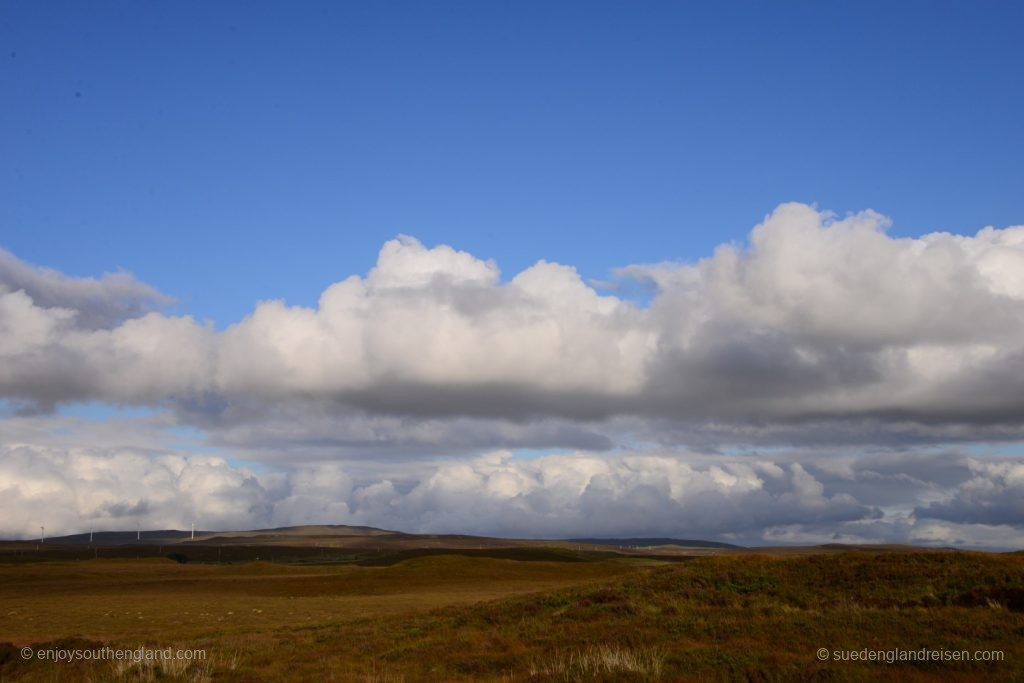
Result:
<point x="230" y="152"/>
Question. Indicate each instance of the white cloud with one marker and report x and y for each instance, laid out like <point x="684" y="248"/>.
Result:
<point x="817" y="318"/>
<point x="580" y="494"/>
<point x="72" y="490"/>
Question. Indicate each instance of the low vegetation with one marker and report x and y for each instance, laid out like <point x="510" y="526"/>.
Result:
<point x="752" y="618"/>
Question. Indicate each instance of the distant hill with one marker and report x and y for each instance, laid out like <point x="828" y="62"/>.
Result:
<point x="357" y="538"/>
<point x="147" y="536"/>
<point x="169" y="536"/>
<point x="319" y="529"/>
<point x="650" y="542"/>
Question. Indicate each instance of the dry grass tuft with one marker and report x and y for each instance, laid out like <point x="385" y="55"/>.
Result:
<point x="192" y="671"/>
<point x="598" y="661"/>
<point x="381" y="673"/>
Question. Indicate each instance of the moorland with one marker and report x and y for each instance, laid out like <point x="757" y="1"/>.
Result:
<point x="369" y="605"/>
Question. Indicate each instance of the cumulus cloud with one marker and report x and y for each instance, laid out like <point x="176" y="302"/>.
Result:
<point x="993" y="495"/>
<point x="579" y="494"/>
<point x="72" y="490"/>
<point x="817" y="320"/>
<point x="93" y="303"/>
<point x="47" y="358"/>
<point x="431" y="331"/>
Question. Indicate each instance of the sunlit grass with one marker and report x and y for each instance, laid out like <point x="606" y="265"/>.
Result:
<point x="597" y="661"/>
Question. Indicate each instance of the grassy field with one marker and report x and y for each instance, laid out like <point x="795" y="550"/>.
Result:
<point x="465" y="617"/>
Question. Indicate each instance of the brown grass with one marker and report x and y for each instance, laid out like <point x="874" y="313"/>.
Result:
<point x="159" y="599"/>
<point x="718" y="618"/>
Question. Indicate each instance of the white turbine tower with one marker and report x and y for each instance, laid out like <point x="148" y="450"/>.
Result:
<point x="42" y="534"/>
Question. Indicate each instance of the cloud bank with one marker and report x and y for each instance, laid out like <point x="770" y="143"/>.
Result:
<point x="944" y="499"/>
